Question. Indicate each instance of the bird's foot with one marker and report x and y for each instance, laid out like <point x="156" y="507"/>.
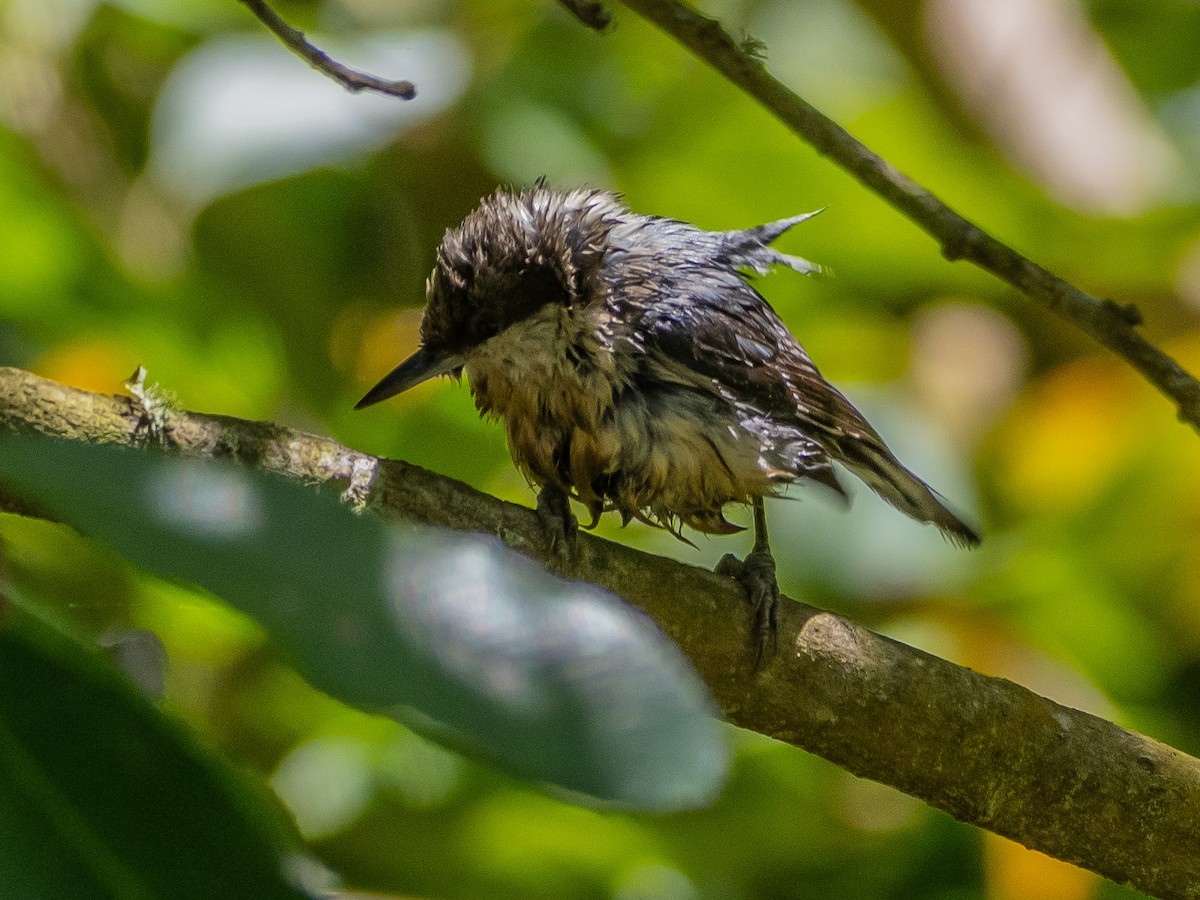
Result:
<point x="757" y="575"/>
<point x="554" y="509"/>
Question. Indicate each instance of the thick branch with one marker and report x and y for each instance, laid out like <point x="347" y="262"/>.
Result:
<point x="1113" y="325"/>
<point x="351" y="79"/>
<point x="983" y="749"/>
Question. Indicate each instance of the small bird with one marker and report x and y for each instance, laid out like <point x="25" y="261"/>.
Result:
<point x="637" y="370"/>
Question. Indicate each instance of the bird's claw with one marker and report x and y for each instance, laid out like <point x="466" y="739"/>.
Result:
<point x="554" y="509"/>
<point x="757" y="575"/>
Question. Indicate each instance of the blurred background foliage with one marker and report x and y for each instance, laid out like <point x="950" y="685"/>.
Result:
<point x="178" y="191"/>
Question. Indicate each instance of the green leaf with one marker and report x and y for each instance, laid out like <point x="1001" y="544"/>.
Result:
<point x="553" y="680"/>
<point x="103" y="797"/>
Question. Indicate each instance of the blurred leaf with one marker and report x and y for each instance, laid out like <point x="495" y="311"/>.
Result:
<point x="1153" y="40"/>
<point x="41" y="251"/>
<point x="553" y="680"/>
<point x="240" y="111"/>
<point x="101" y="796"/>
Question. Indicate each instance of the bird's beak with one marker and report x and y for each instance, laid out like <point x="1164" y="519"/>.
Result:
<point x="421" y="366"/>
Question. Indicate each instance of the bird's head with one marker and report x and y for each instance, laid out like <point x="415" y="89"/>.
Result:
<point x="513" y="255"/>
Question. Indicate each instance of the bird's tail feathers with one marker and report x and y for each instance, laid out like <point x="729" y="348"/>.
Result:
<point x="749" y="247"/>
<point x="767" y="233"/>
<point x="888" y="478"/>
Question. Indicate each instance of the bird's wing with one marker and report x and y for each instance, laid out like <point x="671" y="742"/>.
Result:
<point x="709" y="328"/>
<point x="704" y="325"/>
<point x="681" y="291"/>
<point x="716" y="335"/>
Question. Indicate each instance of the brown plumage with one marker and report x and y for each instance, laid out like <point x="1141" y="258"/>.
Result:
<point x="635" y="367"/>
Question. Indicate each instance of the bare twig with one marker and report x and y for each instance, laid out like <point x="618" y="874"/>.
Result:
<point x="591" y="14"/>
<point x="351" y="79"/>
<point x="1112" y="324"/>
<point x="985" y="750"/>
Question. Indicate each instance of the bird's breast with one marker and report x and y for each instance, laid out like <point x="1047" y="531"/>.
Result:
<point x="577" y="416"/>
<point x="584" y="412"/>
<point x="553" y="380"/>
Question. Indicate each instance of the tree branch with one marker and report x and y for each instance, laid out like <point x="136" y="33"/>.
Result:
<point x="590" y="13"/>
<point x="351" y="79"/>
<point x="1112" y="324"/>
<point x="983" y="749"/>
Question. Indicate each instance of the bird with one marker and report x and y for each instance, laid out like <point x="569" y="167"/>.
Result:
<point x="637" y="370"/>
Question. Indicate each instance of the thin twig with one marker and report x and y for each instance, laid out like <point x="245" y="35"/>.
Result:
<point x="1112" y="324"/>
<point x="983" y="749"/>
<point x="590" y="13"/>
<point x="351" y="79"/>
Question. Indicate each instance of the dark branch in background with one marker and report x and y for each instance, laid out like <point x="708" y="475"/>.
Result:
<point x="1112" y="324"/>
<point x="351" y="79"/>
<point x="591" y="14"/>
<point x="985" y="750"/>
